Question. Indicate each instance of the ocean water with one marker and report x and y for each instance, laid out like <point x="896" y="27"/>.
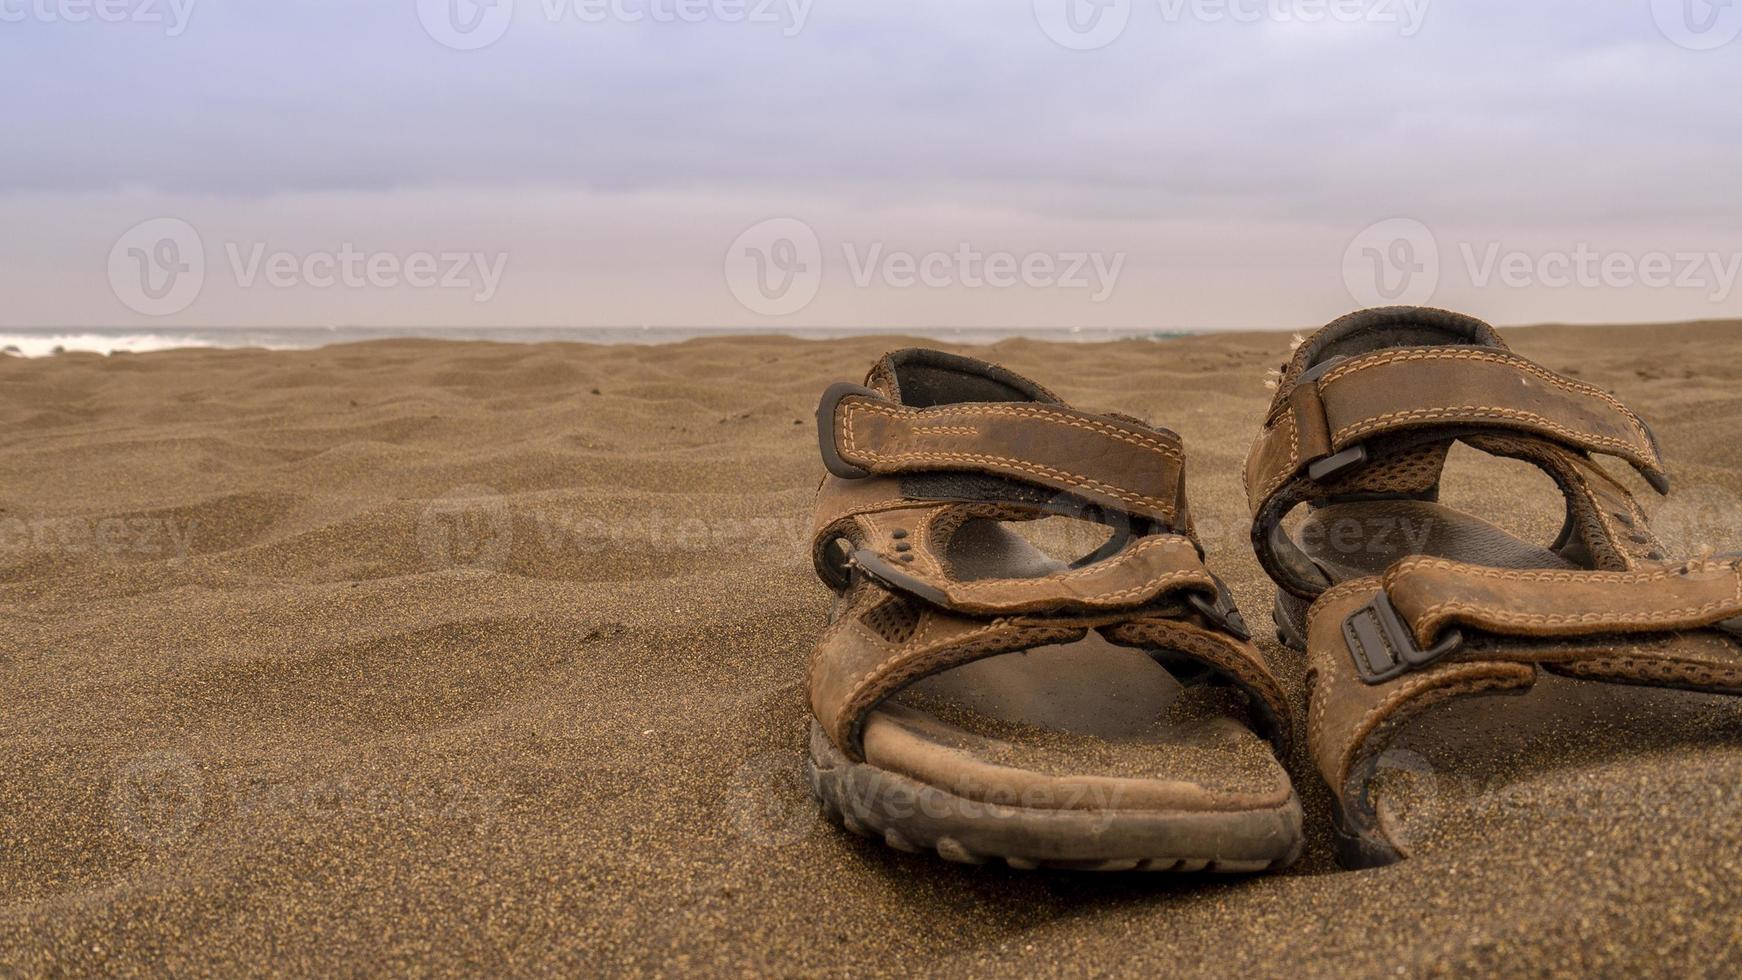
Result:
<point x="45" y="342"/>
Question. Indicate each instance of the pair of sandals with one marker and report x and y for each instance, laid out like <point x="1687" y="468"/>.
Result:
<point x="975" y="696"/>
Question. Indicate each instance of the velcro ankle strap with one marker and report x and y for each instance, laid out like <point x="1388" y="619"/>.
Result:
<point x="1337" y="406"/>
<point x="1111" y="462"/>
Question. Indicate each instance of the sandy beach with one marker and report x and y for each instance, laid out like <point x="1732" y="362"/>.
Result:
<point x="424" y="656"/>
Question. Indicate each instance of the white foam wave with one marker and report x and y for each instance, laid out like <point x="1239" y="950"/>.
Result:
<point x="44" y="345"/>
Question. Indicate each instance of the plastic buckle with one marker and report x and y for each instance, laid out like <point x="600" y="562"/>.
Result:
<point x="1328" y="467"/>
<point x="1324" y="469"/>
<point x="1731" y="627"/>
<point x="1222" y="612"/>
<point x="832" y="399"/>
<point x="1376" y="631"/>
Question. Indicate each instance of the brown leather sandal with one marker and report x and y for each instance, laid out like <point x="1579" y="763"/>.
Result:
<point x="1403" y="604"/>
<point x="977" y="697"/>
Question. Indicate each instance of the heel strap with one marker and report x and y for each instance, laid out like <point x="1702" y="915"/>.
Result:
<point x="1370" y="404"/>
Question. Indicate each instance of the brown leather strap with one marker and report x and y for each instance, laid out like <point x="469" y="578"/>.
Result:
<point x="1116" y="464"/>
<point x="938" y="444"/>
<point x="1419" y="616"/>
<point x="1563" y="622"/>
<point x="1370" y="404"/>
<point x="1605" y="528"/>
<point x="1432" y="595"/>
<point x="1239" y="662"/>
<point x="856" y="667"/>
<point x="1140" y="575"/>
<point x="1330" y="412"/>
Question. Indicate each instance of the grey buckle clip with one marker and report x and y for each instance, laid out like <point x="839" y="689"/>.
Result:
<point x="1383" y="646"/>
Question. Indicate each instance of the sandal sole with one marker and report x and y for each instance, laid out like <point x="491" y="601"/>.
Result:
<point x="915" y="817"/>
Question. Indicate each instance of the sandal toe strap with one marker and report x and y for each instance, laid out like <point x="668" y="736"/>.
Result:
<point x="884" y="643"/>
<point x="1148" y="571"/>
<point x="1428" y="610"/>
<point x="1384" y="649"/>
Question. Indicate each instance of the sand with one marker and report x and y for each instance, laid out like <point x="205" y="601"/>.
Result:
<point x="462" y="657"/>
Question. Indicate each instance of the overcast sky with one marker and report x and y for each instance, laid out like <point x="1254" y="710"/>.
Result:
<point x="1151" y="163"/>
